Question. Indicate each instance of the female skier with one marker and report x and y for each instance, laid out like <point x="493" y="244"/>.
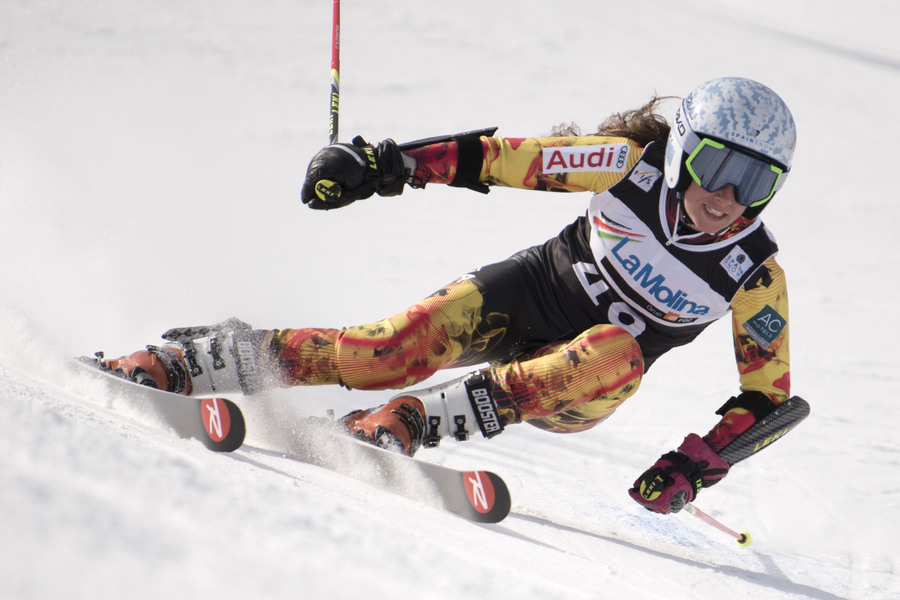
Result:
<point x="564" y="331"/>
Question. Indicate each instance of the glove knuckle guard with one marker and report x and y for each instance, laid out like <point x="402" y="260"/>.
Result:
<point x="328" y="191"/>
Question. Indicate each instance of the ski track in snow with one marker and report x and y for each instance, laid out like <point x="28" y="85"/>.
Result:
<point x="151" y="155"/>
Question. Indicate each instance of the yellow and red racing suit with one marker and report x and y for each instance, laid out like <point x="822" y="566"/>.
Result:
<point x="570" y="326"/>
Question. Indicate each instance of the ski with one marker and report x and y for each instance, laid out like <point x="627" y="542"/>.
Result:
<point x="479" y="496"/>
<point x="218" y="423"/>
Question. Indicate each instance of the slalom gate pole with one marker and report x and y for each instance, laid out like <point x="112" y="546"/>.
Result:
<point x="335" y="72"/>
<point x="743" y="538"/>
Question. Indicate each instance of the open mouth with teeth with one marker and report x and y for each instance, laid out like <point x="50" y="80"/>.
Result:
<point x="713" y="212"/>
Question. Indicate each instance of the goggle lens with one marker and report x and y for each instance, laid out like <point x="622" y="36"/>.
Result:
<point x="714" y="165"/>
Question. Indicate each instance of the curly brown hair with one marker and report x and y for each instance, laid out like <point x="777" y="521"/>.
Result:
<point x="642" y="125"/>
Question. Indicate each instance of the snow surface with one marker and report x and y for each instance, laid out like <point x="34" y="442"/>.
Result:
<point x="151" y="155"/>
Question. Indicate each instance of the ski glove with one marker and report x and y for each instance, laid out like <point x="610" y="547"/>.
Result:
<point x="677" y="477"/>
<point x="340" y="174"/>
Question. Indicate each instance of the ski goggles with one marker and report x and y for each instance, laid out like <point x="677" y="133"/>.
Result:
<point x="714" y="165"/>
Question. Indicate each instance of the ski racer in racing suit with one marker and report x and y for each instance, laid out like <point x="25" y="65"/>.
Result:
<point x="671" y="242"/>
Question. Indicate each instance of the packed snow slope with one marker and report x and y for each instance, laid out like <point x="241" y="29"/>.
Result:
<point x="151" y="156"/>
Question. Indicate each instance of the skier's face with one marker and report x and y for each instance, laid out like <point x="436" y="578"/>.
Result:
<point x="711" y="212"/>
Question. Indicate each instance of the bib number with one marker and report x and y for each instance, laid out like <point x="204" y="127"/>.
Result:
<point x="619" y="312"/>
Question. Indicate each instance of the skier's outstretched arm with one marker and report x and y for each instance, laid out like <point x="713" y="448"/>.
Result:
<point x="759" y="319"/>
<point x="340" y="174"/>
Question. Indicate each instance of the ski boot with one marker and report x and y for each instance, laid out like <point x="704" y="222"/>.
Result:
<point x="398" y="426"/>
<point x="458" y="409"/>
<point x="160" y="368"/>
<point x="199" y="361"/>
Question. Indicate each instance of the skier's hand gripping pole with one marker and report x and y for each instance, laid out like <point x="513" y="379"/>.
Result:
<point x="677" y="477"/>
<point x="340" y="174"/>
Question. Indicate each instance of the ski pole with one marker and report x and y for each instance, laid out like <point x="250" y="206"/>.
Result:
<point x="335" y="72"/>
<point x="743" y="538"/>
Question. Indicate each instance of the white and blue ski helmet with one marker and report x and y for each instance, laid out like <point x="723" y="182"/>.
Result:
<point x="732" y="114"/>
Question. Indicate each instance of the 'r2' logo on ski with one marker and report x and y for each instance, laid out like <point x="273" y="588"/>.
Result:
<point x="480" y="491"/>
<point x="217" y="420"/>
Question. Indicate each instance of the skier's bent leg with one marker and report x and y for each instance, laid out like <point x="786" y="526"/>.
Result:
<point x="566" y="387"/>
<point x="444" y="330"/>
<point x="573" y="386"/>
